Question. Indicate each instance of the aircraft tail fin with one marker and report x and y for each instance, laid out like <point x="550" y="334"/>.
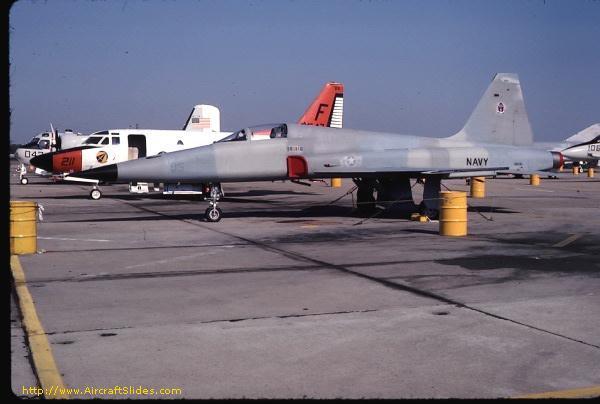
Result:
<point x="500" y="116"/>
<point x="206" y="118"/>
<point x="327" y="109"/>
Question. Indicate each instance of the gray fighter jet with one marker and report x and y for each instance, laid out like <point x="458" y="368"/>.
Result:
<point x="495" y="139"/>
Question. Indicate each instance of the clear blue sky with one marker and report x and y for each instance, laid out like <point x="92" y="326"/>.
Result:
<point x="415" y="67"/>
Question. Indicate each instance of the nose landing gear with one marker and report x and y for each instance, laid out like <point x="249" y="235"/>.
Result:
<point x="213" y="212"/>
<point x="22" y="171"/>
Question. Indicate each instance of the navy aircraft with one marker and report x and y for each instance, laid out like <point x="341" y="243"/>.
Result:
<point x="497" y="138"/>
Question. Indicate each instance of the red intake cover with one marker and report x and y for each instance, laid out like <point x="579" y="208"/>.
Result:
<point x="297" y="167"/>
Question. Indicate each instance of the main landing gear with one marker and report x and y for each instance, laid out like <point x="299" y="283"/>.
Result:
<point x="213" y="212"/>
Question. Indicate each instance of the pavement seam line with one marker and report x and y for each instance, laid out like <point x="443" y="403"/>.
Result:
<point x="390" y="284"/>
<point x="584" y="392"/>
<point x="45" y="367"/>
<point x="567" y="241"/>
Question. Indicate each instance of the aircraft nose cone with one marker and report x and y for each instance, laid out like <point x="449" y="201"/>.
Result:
<point x="107" y="173"/>
<point x="43" y="161"/>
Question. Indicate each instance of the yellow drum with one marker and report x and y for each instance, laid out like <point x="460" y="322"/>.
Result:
<point x="23" y="227"/>
<point x="336" y="182"/>
<point x="575" y="170"/>
<point x="534" y="180"/>
<point x="591" y="172"/>
<point x="453" y="213"/>
<point x="478" y="187"/>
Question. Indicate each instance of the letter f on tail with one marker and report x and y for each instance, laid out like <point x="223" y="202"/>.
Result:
<point x="327" y="109"/>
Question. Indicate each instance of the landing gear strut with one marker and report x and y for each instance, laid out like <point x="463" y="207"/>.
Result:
<point x="22" y="170"/>
<point x="213" y="212"/>
<point x="365" y="200"/>
<point x="430" y="206"/>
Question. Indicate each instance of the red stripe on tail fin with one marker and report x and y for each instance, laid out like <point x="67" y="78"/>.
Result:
<point x="327" y="108"/>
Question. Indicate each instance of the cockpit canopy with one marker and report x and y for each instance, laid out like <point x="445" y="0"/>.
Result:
<point x="40" y="141"/>
<point x="260" y="131"/>
<point x="96" y="140"/>
<point x="102" y="138"/>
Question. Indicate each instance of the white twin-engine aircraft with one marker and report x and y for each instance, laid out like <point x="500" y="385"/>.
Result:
<point x="54" y="145"/>
<point x="115" y="145"/>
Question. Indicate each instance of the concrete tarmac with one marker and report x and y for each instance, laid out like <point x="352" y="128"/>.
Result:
<point x="292" y="296"/>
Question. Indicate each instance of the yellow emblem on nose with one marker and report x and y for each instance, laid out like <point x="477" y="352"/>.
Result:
<point x="102" y="157"/>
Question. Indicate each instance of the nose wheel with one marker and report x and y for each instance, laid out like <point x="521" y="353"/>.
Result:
<point x="213" y="212"/>
<point x="95" y="193"/>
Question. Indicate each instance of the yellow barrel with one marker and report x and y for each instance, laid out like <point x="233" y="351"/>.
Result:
<point x="534" y="180"/>
<point x="23" y="227"/>
<point x="575" y="170"/>
<point x="591" y="172"/>
<point x="453" y="213"/>
<point x="336" y="182"/>
<point x="478" y="187"/>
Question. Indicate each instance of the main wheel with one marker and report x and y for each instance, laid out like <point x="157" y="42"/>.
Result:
<point x="431" y="213"/>
<point x="213" y="214"/>
<point x="365" y="201"/>
<point x="95" y="194"/>
<point x="24" y="181"/>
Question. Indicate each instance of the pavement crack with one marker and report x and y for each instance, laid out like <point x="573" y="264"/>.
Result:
<point x="172" y="274"/>
<point x="88" y="330"/>
<point x="235" y="320"/>
<point x="148" y="248"/>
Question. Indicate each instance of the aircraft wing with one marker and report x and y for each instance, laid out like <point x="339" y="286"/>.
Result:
<point x="445" y="172"/>
<point x="543" y="174"/>
<point x="446" y="162"/>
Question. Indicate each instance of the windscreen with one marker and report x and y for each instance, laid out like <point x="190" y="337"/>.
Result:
<point x="235" y="137"/>
<point x="258" y="132"/>
<point x="93" y="140"/>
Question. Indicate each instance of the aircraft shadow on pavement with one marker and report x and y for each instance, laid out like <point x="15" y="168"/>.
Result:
<point x="261" y="192"/>
<point x="285" y="212"/>
<point x="196" y="216"/>
<point x="421" y="231"/>
<point x="522" y="264"/>
<point x="490" y="209"/>
<point x="307" y="213"/>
